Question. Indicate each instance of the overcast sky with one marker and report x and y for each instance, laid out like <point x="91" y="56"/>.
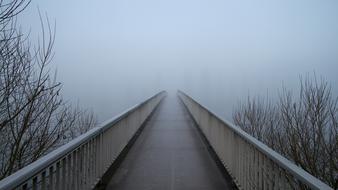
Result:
<point x="111" y="54"/>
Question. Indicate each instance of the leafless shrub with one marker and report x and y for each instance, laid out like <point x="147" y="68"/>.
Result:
<point x="303" y="128"/>
<point x="83" y="121"/>
<point x="260" y="118"/>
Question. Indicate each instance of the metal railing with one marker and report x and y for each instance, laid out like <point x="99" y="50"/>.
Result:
<point x="81" y="163"/>
<point x="251" y="163"/>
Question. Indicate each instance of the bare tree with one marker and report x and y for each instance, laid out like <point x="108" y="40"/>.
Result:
<point x="34" y="118"/>
<point x="311" y="131"/>
<point x="303" y="128"/>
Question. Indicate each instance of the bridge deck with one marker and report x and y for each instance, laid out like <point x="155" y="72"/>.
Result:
<point x="169" y="154"/>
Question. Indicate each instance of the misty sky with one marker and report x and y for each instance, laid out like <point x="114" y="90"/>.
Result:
<point x="111" y="54"/>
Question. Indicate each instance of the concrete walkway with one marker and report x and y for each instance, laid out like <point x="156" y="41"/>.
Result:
<point x="169" y="155"/>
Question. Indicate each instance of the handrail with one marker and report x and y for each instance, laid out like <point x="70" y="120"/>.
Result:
<point x="284" y="166"/>
<point x="50" y="165"/>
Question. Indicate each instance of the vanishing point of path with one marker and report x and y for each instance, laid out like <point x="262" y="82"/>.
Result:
<point x="169" y="154"/>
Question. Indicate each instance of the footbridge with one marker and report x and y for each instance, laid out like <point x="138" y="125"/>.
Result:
<point x="164" y="143"/>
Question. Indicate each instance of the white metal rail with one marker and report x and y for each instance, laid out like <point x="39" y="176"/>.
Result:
<point x="81" y="163"/>
<point x="251" y="163"/>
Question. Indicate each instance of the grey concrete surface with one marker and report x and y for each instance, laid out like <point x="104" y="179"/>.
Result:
<point x="169" y="155"/>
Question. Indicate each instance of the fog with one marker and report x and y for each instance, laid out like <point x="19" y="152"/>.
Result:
<point x="112" y="54"/>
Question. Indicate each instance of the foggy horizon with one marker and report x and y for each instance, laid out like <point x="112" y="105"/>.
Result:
<point x="110" y="55"/>
<point x="168" y="94"/>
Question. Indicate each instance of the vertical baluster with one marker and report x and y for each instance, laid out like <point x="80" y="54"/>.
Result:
<point x="284" y="181"/>
<point x="57" y="176"/>
<point x="228" y="145"/>
<point x="280" y="178"/>
<point x="270" y="173"/>
<point x="265" y="173"/>
<point x="35" y="183"/>
<point x="90" y="163"/>
<point x="250" y="155"/>
<point x="51" y="178"/>
<point x="94" y="159"/>
<point x="95" y="146"/>
<point x="242" y="149"/>
<point x="86" y="159"/>
<point x="109" y="139"/>
<point x="275" y="176"/>
<point x="83" y="157"/>
<point x="240" y="163"/>
<point x="85" y="166"/>
<point x="260" y="171"/>
<point x="82" y="169"/>
<point x="101" y="156"/>
<point x="73" y="172"/>
<point x="64" y="174"/>
<point x="251" y="167"/>
<point x="24" y="186"/>
<point x="82" y="166"/>
<point x="104" y="154"/>
<point x="245" y="165"/>
<point x="69" y="171"/>
<point x="76" y="170"/>
<point x="222" y="143"/>
<point x="93" y="175"/>
<point x="256" y="168"/>
<point x="97" y="156"/>
<point x="43" y="180"/>
<point x="259" y="177"/>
